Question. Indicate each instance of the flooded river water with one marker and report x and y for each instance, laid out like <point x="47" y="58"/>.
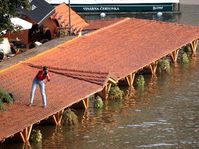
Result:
<point x="165" y="115"/>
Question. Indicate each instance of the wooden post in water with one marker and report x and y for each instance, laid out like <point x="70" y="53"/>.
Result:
<point x="153" y="68"/>
<point x="58" y="117"/>
<point x="25" y="134"/>
<point x="130" y="79"/>
<point x="105" y="91"/>
<point x="194" y="45"/>
<point x="83" y="104"/>
<point x="174" y="55"/>
<point x="107" y="85"/>
<point x="86" y="103"/>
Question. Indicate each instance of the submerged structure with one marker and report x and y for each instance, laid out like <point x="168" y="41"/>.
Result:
<point x="89" y="65"/>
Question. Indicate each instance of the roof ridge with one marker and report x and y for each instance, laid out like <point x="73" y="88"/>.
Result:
<point x="163" y="22"/>
<point x="107" y="27"/>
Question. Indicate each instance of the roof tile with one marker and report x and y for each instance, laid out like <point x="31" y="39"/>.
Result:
<point x="119" y="49"/>
<point x="62" y="16"/>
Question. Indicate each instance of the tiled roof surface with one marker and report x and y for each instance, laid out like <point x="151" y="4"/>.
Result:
<point x="82" y="65"/>
<point x="97" y="24"/>
<point x="62" y="16"/>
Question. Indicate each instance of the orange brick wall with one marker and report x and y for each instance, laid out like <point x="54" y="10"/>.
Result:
<point x="22" y="35"/>
<point x="50" y="24"/>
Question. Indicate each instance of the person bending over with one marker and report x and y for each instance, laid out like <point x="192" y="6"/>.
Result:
<point x="39" y="80"/>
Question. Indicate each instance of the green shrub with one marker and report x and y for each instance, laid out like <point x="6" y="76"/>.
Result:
<point x="185" y="59"/>
<point x="187" y="48"/>
<point x="5" y="97"/>
<point x="164" y="65"/>
<point x="98" y="103"/>
<point x="62" y="33"/>
<point x="69" y="118"/>
<point x="2" y="108"/>
<point x="36" y="136"/>
<point x="140" y="81"/>
<point x="115" y="93"/>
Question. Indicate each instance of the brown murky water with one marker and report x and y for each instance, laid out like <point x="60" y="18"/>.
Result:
<point x="165" y="115"/>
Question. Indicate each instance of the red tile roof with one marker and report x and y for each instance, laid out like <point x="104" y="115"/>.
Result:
<point x="97" y="24"/>
<point x="62" y="16"/>
<point x="82" y="65"/>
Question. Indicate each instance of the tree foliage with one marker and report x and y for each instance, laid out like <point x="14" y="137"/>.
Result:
<point x="8" y="9"/>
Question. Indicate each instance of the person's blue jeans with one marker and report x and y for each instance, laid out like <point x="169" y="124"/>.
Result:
<point x="41" y="84"/>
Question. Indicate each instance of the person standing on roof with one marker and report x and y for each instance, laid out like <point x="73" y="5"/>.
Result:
<point x="39" y="80"/>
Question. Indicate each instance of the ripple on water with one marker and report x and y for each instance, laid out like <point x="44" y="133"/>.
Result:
<point x="148" y="124"/>
<point x="138" y="110"/>
<point x="168" y="130"/>
<point x="92" y="141"/>
<point x="155" y="145"/>
<point x="86" y="137"/>
<point x="121" y="127"/>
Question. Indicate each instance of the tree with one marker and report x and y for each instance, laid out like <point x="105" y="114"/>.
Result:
<point x="8" y="9"/>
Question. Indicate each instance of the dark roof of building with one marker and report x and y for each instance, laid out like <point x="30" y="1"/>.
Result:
<point x="39" y="10"/>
